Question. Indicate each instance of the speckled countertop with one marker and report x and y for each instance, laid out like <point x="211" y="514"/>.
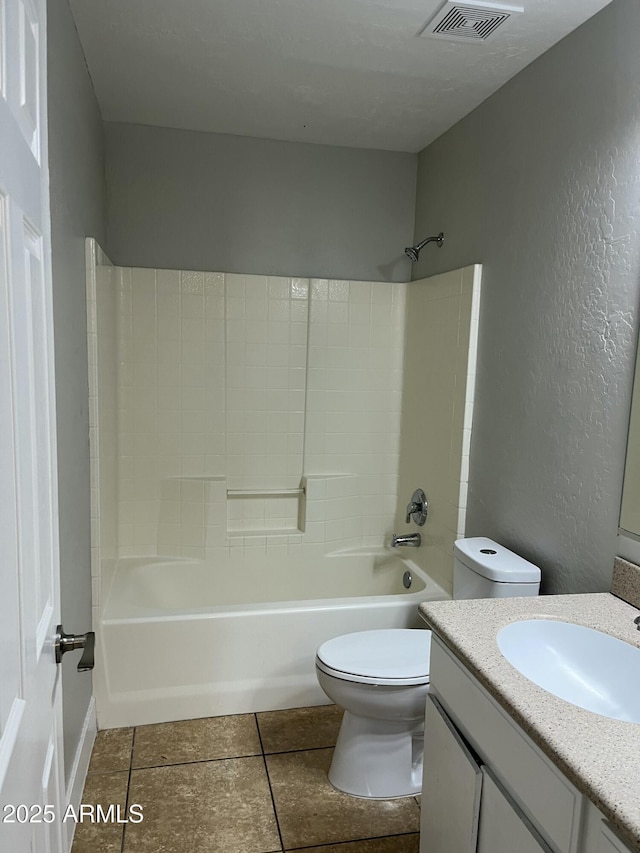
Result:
<point x="599" y="755"/>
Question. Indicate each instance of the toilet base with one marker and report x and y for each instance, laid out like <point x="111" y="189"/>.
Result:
<point x="378" y="759"/>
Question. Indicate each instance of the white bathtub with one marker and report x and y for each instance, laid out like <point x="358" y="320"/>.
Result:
<point x="179" y="640"/>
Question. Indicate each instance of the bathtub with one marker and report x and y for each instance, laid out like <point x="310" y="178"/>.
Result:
<point x="181" y="639"/>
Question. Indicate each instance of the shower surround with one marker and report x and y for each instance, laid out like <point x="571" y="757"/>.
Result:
<point x="230" y="391"/>
<point x="249" y="418"/>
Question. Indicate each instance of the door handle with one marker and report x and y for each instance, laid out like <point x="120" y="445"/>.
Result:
<point x="68" y="642"/>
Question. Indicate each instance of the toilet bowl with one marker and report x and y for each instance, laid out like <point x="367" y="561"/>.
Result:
<point x="381" y="679"/>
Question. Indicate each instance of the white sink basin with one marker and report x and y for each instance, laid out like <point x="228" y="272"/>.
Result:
<point x="584" y="667"/>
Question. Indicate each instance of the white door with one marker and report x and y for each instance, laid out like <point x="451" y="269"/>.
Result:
<point x="30" y="694"/>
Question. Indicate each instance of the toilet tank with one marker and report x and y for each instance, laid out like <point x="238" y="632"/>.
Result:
<point x="484" y="569"/>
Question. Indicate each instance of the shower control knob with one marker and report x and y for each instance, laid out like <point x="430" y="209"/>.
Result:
<point x="418" y="508"/>
<point x="64" y="643"/>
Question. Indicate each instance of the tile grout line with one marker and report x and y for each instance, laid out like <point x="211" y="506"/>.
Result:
<point x="350" y="841"/>
<point x="197" y="761"/>
<point x="126" y="805"/>
<point x="229" y="757"/>
<point x="266" y="770"/>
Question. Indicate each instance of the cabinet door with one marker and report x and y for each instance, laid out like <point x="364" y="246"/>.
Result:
<point x="503" y="828"/>
<point x="599" y="836"/>
<point x="610" y="843"/>
<point x="451" y="788"/>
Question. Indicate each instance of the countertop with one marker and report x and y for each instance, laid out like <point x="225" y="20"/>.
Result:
<point x="599" y="755"/>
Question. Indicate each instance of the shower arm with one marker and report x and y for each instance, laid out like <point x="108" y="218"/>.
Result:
<point x="439" y="240"/>
<point x="412" y="252"/>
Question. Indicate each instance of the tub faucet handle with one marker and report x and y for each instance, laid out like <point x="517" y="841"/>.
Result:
<point x="417" y="508"/>
<point x="411" y="508"/>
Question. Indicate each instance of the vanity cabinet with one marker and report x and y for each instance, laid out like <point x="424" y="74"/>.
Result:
<point x="610" y="843"/>
<point x="599" y="837"/>
<point x="516" y="786"/>
<point x="464" y="808"/>
<point x="487" y="788"/>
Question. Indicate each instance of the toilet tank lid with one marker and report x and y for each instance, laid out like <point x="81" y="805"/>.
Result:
<point x="494" y="562"/>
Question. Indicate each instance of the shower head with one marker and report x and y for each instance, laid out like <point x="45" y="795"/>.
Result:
<point x="413" y="252"/>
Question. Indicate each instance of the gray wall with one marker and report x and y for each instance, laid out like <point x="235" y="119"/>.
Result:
<point x="540" y="184"/>
<point x="184" y="200"/>
<point x="76" y="159"/>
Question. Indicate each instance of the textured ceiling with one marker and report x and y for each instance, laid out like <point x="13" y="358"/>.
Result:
<point x="338" y="72"/>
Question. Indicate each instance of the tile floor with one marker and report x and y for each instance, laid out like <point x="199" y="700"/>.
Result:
<point x="251" y="783"/>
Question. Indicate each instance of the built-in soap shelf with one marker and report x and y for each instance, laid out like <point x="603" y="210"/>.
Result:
<point x="265" y="511"/>
<point x="196" y="512"/>
<point x="264" y="493"/>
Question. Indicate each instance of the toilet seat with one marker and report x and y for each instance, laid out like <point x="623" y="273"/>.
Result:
<point x="388" y="656"/>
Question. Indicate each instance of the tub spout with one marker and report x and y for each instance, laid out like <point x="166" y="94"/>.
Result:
<point x="409" y="540"/>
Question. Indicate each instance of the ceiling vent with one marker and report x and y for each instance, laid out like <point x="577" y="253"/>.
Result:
<point x="469" y="22"/>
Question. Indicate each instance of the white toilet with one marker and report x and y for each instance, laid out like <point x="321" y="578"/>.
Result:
<point x="381" y="679"/>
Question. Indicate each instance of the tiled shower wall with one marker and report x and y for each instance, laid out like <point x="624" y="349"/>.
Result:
<point x="102" y="340"/>
<point x="228" y="384"/>
<point x="437" y="411"/>
<point x="354" y="392"/>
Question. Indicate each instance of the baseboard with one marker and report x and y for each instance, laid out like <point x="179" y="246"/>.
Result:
<point x="73" y="794"/>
